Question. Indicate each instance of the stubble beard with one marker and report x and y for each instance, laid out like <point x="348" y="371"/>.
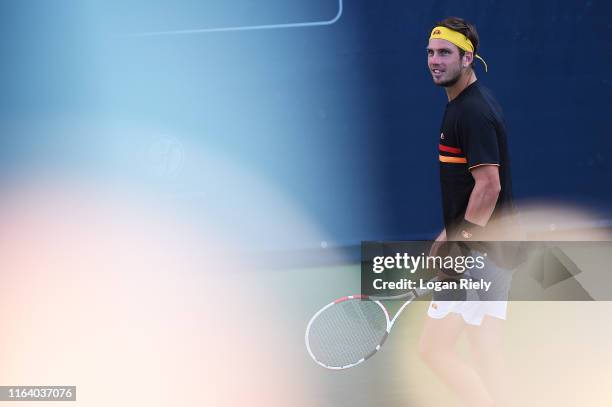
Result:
<point x="450" y="82"/>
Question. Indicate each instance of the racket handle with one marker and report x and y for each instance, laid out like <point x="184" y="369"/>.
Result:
<point x="420" y="292"/>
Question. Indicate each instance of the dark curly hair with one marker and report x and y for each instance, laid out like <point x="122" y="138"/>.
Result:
<point x="465" y="28"/>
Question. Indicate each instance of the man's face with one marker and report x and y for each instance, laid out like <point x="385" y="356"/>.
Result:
<point x="444" y="62"/>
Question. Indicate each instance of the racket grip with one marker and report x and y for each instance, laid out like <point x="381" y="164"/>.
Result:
<point x="420" y="292"/>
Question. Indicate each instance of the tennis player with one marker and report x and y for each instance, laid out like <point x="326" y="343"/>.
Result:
<point x="476" y="191"/>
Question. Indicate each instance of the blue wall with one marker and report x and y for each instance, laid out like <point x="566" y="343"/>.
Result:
<point x="340" y="117"/>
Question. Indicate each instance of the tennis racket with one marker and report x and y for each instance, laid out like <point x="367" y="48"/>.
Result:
<point x="350" y="330"/>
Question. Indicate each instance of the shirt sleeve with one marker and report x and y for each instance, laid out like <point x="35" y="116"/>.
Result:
<point x="478" y="138"/>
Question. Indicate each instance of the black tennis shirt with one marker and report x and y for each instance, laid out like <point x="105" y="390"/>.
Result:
<point x="472" y="134"/>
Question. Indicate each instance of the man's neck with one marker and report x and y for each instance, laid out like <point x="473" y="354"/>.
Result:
<point x="466" y="80"/>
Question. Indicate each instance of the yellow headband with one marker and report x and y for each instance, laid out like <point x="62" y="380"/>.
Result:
<point x="456" y="38"/>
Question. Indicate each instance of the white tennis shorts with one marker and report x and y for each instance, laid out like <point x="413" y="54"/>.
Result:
<point x="473" y="312"/>
<point x="479" y="303"/>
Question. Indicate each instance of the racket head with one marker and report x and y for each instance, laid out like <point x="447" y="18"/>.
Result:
<point x="347" y="332"/>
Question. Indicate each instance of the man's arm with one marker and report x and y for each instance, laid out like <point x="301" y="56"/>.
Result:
<point x="440" y="240"/>
<point x="484" y="195"/>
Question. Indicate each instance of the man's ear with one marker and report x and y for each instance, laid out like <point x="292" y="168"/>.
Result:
<point x="468" y="58"/>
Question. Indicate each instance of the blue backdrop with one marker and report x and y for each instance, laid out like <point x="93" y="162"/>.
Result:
<point x="329" y="101"/>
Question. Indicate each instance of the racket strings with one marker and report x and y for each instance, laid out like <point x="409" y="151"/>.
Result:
<point x="347" y="332"/>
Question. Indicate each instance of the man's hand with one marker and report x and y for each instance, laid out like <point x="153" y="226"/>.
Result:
<point x="439" y="242"/>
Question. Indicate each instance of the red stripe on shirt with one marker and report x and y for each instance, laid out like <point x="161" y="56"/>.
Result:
<point x="448" y="149"/>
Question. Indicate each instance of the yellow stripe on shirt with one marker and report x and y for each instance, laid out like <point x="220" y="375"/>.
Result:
<point x="453" y="160"/>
